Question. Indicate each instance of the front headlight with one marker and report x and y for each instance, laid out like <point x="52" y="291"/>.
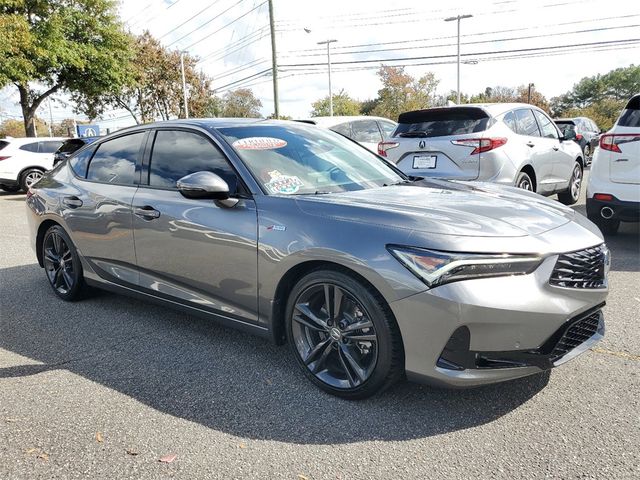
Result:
<point x="436" y="268"/>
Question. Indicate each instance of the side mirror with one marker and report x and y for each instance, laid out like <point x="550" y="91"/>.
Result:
<point x="206" y="185"/>
<point x="569" y="134"/>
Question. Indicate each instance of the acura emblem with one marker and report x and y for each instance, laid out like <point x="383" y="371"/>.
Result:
<point x="422" y="144"/>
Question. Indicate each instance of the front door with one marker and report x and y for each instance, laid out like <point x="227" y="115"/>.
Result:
<point x="194" y="251"/>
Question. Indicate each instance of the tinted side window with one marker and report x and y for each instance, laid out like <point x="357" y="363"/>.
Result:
<point x="366" y="131"/>
<point x="80" y="161"/>
<point x="526" y="123"/>
<point x="387" y="129"/>
<point x="30" y="147"/>
<point x="115" y="160"/>
<point x="178" y="153"/>
<point x="49" y="147"/>
<point x="546" y="125"/>
<point x="343" y="129"/>
<point x="510" y="120"/>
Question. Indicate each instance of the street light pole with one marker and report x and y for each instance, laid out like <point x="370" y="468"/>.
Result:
<point x="451" y="19"/>
<point x="328" y="44"/>
<point x="184" y="86"/>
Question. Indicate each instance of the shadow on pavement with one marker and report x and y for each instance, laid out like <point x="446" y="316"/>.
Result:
<point x="220" y="378"/>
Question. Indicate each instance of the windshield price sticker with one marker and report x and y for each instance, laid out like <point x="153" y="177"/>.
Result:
<point x="259" y="143"/>
<point x="283" y="184"/>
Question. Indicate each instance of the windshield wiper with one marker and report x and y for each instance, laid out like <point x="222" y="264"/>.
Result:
<point x="413" y="135"/>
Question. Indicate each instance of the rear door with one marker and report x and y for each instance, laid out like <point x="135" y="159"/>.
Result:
<point x="561" y="156"/>
<point x="624" y="164"/>
<point x="541" y="149"/>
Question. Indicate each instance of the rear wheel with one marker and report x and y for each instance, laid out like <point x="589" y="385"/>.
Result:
<point x="572" y="194"/>
<point x="524" y="182"/>
<point x="588" y="153"/>
<point x="30" y="177"/>
<point x="10" y="188"/>
<point x="62" y="264"/>
<point x="343" y="335"/>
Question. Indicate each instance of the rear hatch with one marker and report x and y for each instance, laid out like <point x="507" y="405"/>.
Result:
<point x="426" y="142"/>
<point x="623" y="145"/>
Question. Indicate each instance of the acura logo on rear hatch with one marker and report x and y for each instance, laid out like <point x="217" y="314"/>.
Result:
<point x="422" y="144"/>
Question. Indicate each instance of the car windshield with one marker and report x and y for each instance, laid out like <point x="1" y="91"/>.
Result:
<point x="298" y="159"/>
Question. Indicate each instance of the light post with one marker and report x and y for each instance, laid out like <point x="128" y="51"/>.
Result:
<point x="184" y="86"/>
<point x="451" y="19"/>
<point x="328" y="44"/>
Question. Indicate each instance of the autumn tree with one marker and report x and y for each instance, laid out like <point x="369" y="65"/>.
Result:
<point x="401" y="92"/>
<point x="343" y="104"/>
<point x="72" y="46"/>
<point x="241" y="103"/>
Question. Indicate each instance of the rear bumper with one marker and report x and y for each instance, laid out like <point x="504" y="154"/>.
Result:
<point x="623" y="211"/>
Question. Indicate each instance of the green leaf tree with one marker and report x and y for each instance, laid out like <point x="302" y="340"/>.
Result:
<point x="241" y="103"/>
<point x="49" y="46"/>
<point x="343" y="104"/>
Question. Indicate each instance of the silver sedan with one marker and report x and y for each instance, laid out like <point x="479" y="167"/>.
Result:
<point x="304" y="237"/>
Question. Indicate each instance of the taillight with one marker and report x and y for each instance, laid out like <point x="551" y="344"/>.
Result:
<point x="4" y="158"/>
<point x="578" y="136"/>
<point x="384" y="146"/>
<point x="481" y="144"/>
<point x="611" y="141"/>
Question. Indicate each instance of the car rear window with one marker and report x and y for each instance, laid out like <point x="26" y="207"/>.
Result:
<point x="631" y="114"/>
<point x="71" y="146"/>
<point x="440" y="122"/>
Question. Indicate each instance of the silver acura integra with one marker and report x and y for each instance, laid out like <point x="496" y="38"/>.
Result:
<point x="302" y="236"/>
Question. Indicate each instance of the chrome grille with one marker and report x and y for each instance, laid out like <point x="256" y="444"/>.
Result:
<point x="576" y="334"/>
<point x="581" y="269"/>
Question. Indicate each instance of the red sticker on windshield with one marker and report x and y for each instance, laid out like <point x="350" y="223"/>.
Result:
<point x="259" y="143"/>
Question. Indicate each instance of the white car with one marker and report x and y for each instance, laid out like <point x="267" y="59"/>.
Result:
<point x="23" y="161"/>
<point x="367" y="131"/>
<point x="513" y="144"/>
<point x="613" y="191"/>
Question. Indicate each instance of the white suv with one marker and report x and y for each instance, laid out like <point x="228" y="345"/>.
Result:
<point x="24" y="160"/>
<point x="613" y="191"/>
<point x="508" y="143"/>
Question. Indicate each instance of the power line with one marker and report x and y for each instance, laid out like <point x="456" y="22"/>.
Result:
<point x="240" y="44"/>
<point x="156" y="15"/>
<point x="189" y="19"/>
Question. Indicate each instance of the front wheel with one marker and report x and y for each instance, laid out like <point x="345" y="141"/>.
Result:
<point x="343" y="335"/>
<point x="62" y="264"/>
<point x="572" y="194"/>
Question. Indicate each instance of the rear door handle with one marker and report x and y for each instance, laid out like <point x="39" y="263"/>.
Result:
<point x="147" y="212"/>
<point x="531" y="144"/>
<point x="72" y="201"/>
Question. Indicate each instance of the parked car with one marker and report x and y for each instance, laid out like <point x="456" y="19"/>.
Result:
<point x="70" y="146"/>
<point x="587" y="133"/>
<point x="299" y="235"/>
<point x="24" y="160"/>
<point x="613" y="191"/>
<point x="506" y="143"/>
<point x="367" y="131"/>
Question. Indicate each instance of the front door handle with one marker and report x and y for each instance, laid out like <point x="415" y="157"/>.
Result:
<point x="531" y="144"/>
<point x="556" y="148"/>
<point x="72" y="201"/>
<point x="147" y="212"/>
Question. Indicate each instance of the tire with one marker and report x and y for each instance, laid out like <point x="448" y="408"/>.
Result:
<point x="62" y="265"/>
<point x="344" y="361"/>
<point x="10" y="188"/>
<point x="29" y="177"/>
<point x="524" y="182"/>
<point x="572" y="194"/>
<point x="588" y="154"/>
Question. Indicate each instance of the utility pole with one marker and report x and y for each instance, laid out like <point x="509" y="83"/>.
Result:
<point x="451" y="19"/>
<point x="274" y="62"/>
<point x="50" y="118"/>
<point x="531" y="85"/>
<point x="328" y="44"/>
<point x="184" y="86"/>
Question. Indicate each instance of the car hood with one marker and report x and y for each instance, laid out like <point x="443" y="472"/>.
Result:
<point x="443" y="207"/>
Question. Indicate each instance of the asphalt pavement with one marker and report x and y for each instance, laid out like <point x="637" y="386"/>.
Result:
<point x="109" y="386"/>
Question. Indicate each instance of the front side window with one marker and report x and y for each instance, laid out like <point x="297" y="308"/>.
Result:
<point x="526" y="123"/>
<point x="299" y="159"/>
<point x="366" y="131"/>
<point x="546" y="125"/>
<point x="178" y="153"/>
<point x="115" y="160"/>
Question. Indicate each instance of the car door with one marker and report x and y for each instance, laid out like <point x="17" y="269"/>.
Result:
<point x="540" y="149"/>
<point x="562" y="153"/>
<point x="98" y="210"/>
<point x="367" y="134"/>
<point x="195" y="251"/>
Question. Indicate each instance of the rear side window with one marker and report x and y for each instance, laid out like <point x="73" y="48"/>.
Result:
<point x="546" y="125"/>
<point x="342" y="129"/>
<point x="80" y="161"/>
<point x="526" y="123"/>
<point x="631" y="114"/>
<point x="178" y="153"/>
<point x="366" y="131"/>
<point x="30" y="147"/>
<point x="115" y="160"/>
<point x="49" y="147"/>
<point x="440" y="122"/>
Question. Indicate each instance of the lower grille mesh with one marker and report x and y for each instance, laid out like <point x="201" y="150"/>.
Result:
<point x="576" y="334"/>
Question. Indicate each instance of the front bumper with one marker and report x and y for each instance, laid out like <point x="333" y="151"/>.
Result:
<point x="514" y="325"/>
<point x="623" y="211"/>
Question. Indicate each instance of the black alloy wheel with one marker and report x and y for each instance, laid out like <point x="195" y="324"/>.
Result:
<point x="61" y="264"/>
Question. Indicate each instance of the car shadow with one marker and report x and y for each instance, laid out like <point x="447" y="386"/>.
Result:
<point x="226" y="380"/>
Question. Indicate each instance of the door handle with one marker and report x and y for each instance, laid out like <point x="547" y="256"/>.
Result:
<point x="72" y="201"/>
<point x="556" y="148"/>
<point x="531" y="144"/>
<point x="147" y="212"/>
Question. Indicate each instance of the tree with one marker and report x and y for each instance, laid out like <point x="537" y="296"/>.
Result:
<point x="15" y="128"/>
<point x="343" y="104"/>
<point x="241" y="103"/>
<point x="401" y="92"/>
<point x="76" y="46"/>
<point x="368" y="106"/>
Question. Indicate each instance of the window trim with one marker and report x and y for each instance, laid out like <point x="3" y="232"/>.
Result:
<point x="97" y="146"/>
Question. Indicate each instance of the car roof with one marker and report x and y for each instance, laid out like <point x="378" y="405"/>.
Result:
<point x="25" y="140"/>
<point x="208" y="123"/>
<point x="492" y="109"/>
<point x="326" y="121"/>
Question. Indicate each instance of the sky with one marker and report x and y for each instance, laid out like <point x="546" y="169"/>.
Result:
<point x="550" y="43"/>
